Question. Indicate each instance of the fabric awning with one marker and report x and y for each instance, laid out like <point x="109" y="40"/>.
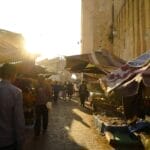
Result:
<point x="100" y="62"/>
<point x="126" y="79"/>
<point x="30" y="69"/>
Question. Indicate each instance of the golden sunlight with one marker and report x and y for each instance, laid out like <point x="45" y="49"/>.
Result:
<point x="50" y="27"/>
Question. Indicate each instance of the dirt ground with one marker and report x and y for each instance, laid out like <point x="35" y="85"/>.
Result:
<point x="70" y="127"/>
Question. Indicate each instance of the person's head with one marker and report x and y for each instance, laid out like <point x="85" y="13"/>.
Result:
<point x="83" y="82"/>
<point x="41" y="79"/>
<point x="8" y="71"/>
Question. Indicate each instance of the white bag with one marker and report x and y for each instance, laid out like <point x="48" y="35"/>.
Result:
<point x="49" y="105"/>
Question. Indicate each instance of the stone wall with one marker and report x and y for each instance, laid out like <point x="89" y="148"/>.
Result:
<point x="132" y="28"/>
<point x="96" y="25"/>
<point x="121" y="26"/>
<point x="87" y="26"/>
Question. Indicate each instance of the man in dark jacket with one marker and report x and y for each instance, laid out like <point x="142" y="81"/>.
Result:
<point x="83" y="93"/>
<point x="12" y="122"/>
<point x="41" y="111"/>
<point x="70" y="90"/>
<point x="56" y="90"/>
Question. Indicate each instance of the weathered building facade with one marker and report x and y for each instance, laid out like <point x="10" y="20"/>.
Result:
<point x="132" y="28"/>
<point x="96" y="25"/>
<point x="12" y="48"/>
<point x="121" y="26"/>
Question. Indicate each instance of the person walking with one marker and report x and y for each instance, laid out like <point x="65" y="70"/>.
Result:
<point x="64" y="91"/>
<point x="83" y="93"/>
<point x="41" y="111"/>
<point x="56" y="90"/>
<point x="70" y="90"/>
<point x="12" y="122"/>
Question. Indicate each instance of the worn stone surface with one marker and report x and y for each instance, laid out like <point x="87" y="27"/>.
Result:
<point x="96" y="25"/>
<point x="70" y="127"/>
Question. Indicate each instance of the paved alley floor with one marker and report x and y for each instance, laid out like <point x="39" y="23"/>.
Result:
<point x="70" y="127"/>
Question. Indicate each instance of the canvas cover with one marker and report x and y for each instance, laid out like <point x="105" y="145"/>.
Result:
<point x="127" y="78"/>
<point x="30" y="69"/>
<point x="101" y="62"/>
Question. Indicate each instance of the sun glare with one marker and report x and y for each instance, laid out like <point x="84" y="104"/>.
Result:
<point x="50" y="27"/>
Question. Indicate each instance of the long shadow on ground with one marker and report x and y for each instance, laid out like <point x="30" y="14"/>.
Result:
<point x="57" y="136"/>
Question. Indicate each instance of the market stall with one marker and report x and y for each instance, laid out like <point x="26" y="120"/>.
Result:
<point x="131" y="79"/>
<point x="132" y="83"/>
<point x="99" y="62"/>
<point x="93" y="66"/>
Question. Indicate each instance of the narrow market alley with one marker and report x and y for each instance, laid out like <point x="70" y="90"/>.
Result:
<point x="70" y="127"/>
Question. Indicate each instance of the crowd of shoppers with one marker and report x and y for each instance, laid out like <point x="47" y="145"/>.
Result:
<point x="19" y="100"/>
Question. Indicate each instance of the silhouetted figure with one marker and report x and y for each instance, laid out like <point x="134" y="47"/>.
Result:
<point x="56" y="89"/>
<point x="41" y="110"/>
<point x="64" y="91"/>
<point x="83" y="93"/>
<point x="12" y="123"/>
<point x="70" y="90"/>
